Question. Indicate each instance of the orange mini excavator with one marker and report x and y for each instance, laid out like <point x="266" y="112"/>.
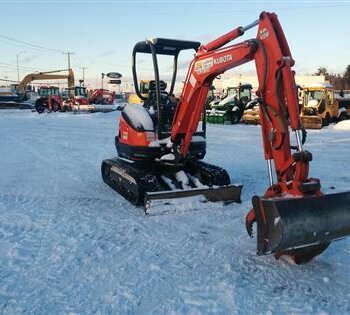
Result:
<point x="161" y="143"/>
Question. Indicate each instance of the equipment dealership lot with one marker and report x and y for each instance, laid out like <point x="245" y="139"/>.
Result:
<point x="69" y="243"/>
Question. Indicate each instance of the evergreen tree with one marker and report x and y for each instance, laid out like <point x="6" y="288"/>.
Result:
<point x="322" y="71"/>
<point x="346" y="75"/>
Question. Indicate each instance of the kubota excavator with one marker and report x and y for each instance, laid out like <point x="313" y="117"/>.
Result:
<point x="160" y="147"/>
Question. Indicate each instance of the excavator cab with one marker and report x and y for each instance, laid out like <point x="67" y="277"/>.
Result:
<point x="159" y="99"/>
<point x="159" y="105"/>
<point x="148" y="171"/>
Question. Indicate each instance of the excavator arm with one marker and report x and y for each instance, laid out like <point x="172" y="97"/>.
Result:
<point x="277" y="93"/>
<point x="49" y="75"/>
<point x="279" y="231"/>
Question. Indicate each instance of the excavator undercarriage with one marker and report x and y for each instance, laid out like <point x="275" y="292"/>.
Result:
<point x="146" y="183"/>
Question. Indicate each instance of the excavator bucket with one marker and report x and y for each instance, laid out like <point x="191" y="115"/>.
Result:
<point x="289" y="224"/>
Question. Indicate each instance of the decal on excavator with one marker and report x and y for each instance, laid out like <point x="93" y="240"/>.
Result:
<point x="264" y="33"/>
<point x="204" y="65"/>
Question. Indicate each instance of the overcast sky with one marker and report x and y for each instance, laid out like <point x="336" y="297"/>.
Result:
<point x="102" y="33"/>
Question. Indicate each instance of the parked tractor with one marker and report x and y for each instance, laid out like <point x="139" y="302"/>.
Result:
<point x="321" y="106"/>
<point x="49" y="100"/>
<point x="230" y="108"/>
<point x="144" y="89"/>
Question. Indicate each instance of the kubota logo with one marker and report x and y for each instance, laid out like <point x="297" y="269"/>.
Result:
<point x="222" y="59"/>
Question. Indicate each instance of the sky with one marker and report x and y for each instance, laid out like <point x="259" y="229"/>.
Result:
<point x="102" y="34"/>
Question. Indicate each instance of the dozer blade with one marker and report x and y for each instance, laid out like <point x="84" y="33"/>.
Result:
<point x="165" y="201"/>
<point x="311" y="122"/>
<point x="296" y="224"/>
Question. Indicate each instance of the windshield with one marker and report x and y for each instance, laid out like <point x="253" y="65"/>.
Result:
<point x="245" y="92"/>
<point x="316" y="95"/>
<point x="80" y="91"/>
<point x="231" y="91"/>
<point x="48" y="92"/>
<point x="144" y="87"/>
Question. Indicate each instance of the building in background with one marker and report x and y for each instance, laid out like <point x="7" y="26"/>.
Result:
<point x="229" y="80"/>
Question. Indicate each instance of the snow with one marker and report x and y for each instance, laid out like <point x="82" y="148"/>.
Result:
<point x="139" y="116"/>
<point x="182" y="178"/>
<point x="228" y="99"/>
<point x="342" y="125"/>
<point x="168" y="157"/>
<point x="69" y="244"/>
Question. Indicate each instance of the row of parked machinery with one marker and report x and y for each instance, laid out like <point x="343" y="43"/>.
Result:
<point x="76" y="99"/>
<point x="50" y="98"/>
<point x="319" y="105"/>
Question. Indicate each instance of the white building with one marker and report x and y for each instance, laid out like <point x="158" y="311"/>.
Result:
<point x="228" y="80"/>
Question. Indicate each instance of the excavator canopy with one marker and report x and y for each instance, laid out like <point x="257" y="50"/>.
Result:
<point x="165" y="46"/>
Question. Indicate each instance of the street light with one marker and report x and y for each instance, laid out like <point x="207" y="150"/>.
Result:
<point x="17" y="55"/>
<point x="102" y="76"/>
<point x="83" y="68"/>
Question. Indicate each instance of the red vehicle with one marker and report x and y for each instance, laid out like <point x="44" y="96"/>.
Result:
<point x="49" y="100"/>
<point x="78" y="95"/>
<point x="160" y="144"/>
<point x="80" y="101"/>
<point x="102" y="97"/>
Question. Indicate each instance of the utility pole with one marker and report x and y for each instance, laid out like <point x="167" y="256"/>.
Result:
<point x="83" y="74"/>
<point x="68" y="53"/>
<point x="21" y="52"/>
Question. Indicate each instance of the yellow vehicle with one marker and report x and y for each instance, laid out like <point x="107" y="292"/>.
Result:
<point x="17" y="96"/>
<point x="48" y="75"/>
<point x="144" y="89"/>
<point x="319" y="106"/>
<point x="251" y="114"/>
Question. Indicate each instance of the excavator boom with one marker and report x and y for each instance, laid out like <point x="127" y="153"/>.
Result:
<point x="47" y="75"/>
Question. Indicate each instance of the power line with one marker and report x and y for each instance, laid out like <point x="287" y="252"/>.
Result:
<point x="15" y="66"/>
<point x="29" y="45"/>
<point x="18" y="45"/>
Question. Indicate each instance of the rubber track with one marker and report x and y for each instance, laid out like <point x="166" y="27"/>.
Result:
<point x="139" y="178"/>
<point x="210" y="175"/>
<point x="145" y="181"/>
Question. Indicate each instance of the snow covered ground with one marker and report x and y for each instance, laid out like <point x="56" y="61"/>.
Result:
<point x="70" y="244"/>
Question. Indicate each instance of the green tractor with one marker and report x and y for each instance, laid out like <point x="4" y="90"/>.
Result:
<point x="229" y="110"/>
